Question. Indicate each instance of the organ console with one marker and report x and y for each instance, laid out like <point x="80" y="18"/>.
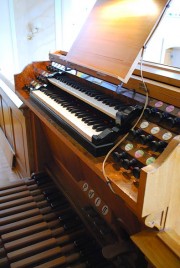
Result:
<point x="71" y="138"/>
<point x="105" y="158"/>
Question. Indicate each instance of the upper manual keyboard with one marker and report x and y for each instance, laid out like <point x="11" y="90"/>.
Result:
<point x="93" y="97"/>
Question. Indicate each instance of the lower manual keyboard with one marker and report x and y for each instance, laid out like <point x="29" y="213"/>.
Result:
<point x="79" y="119"/>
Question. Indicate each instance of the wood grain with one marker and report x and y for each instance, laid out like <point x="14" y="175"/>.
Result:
<point x="157" y="253"/>
<point x="114" y="34"/>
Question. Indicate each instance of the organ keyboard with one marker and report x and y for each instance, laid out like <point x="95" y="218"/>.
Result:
<point x="92" y="97"/>
<point x="83" y="119"/>
<point x="96" y="118"/>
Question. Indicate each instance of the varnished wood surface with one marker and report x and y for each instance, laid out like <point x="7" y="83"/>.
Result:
<point x="76" y="172"/>
<point x="114" y="34"/>
<point x="14" y="125"/>
<point x="164" y="92"/>
<point x="172" y="240"/>
<point x="7" y="149"/>
<point x="156" y="252"/>
<point x="161" y="73"/>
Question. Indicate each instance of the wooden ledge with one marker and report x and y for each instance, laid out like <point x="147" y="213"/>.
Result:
<point x="156" y="252"/>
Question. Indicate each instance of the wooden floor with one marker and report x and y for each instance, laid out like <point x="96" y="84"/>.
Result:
<point x="6" y="173"/>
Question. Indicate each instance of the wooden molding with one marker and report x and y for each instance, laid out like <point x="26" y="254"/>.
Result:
<point x="8" y="151"/>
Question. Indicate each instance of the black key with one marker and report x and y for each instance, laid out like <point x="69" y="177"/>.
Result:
<point x="90" y="120"/>
<point x="101" y="128"/>
<point x="100" y="97"/>
<point x="96" y="126"/>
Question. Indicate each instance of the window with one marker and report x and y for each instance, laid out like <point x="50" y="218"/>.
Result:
<point x="74" y="14"/>
<point x="164" y="46"/>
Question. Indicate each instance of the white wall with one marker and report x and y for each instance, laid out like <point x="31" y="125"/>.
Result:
<point x="165" y="37"/>
<point x="30" y="29"/>
<point x="19" y="46"/>
<point x="35" y="29"/>
<point x="7" y="59"/>
<point x="74" y="13"/>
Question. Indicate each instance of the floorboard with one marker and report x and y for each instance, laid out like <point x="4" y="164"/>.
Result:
<point x="6" y="173"/>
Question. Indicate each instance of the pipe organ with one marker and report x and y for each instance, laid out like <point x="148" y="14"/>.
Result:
<point x="105" y="162"/>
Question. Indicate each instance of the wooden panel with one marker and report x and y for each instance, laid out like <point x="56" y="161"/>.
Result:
<point x="8" y="122"/>
<point x="1" y="115"/>
<point x="40" y="146"/>
<point x="162" y="73"/>
<point x="15" y="124"/>
<point x="6" y="173"/>
<point x="114" y="34"/>
<point x="157" y="90"/>
<point x="162" y="174"/>
<point x="157" y="253"/>
<point x="173" y="217"/>
<point x="18" y="123"/>
<point x="9" y="153"/>
<point x="72" y="170"/>
<point x="172" y="240"/>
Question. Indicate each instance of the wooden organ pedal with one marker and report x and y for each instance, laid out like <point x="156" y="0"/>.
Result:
<point x="39" y="228"/>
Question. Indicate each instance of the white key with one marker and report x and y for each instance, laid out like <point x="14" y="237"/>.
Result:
<point x="68" y="117"/>
<point x="110" y="111"/>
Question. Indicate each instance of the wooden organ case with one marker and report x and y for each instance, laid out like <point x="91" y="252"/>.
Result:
<point x="140" y="192"/>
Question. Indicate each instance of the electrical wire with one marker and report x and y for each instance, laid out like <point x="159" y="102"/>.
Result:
<point x="108" y="180"/>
